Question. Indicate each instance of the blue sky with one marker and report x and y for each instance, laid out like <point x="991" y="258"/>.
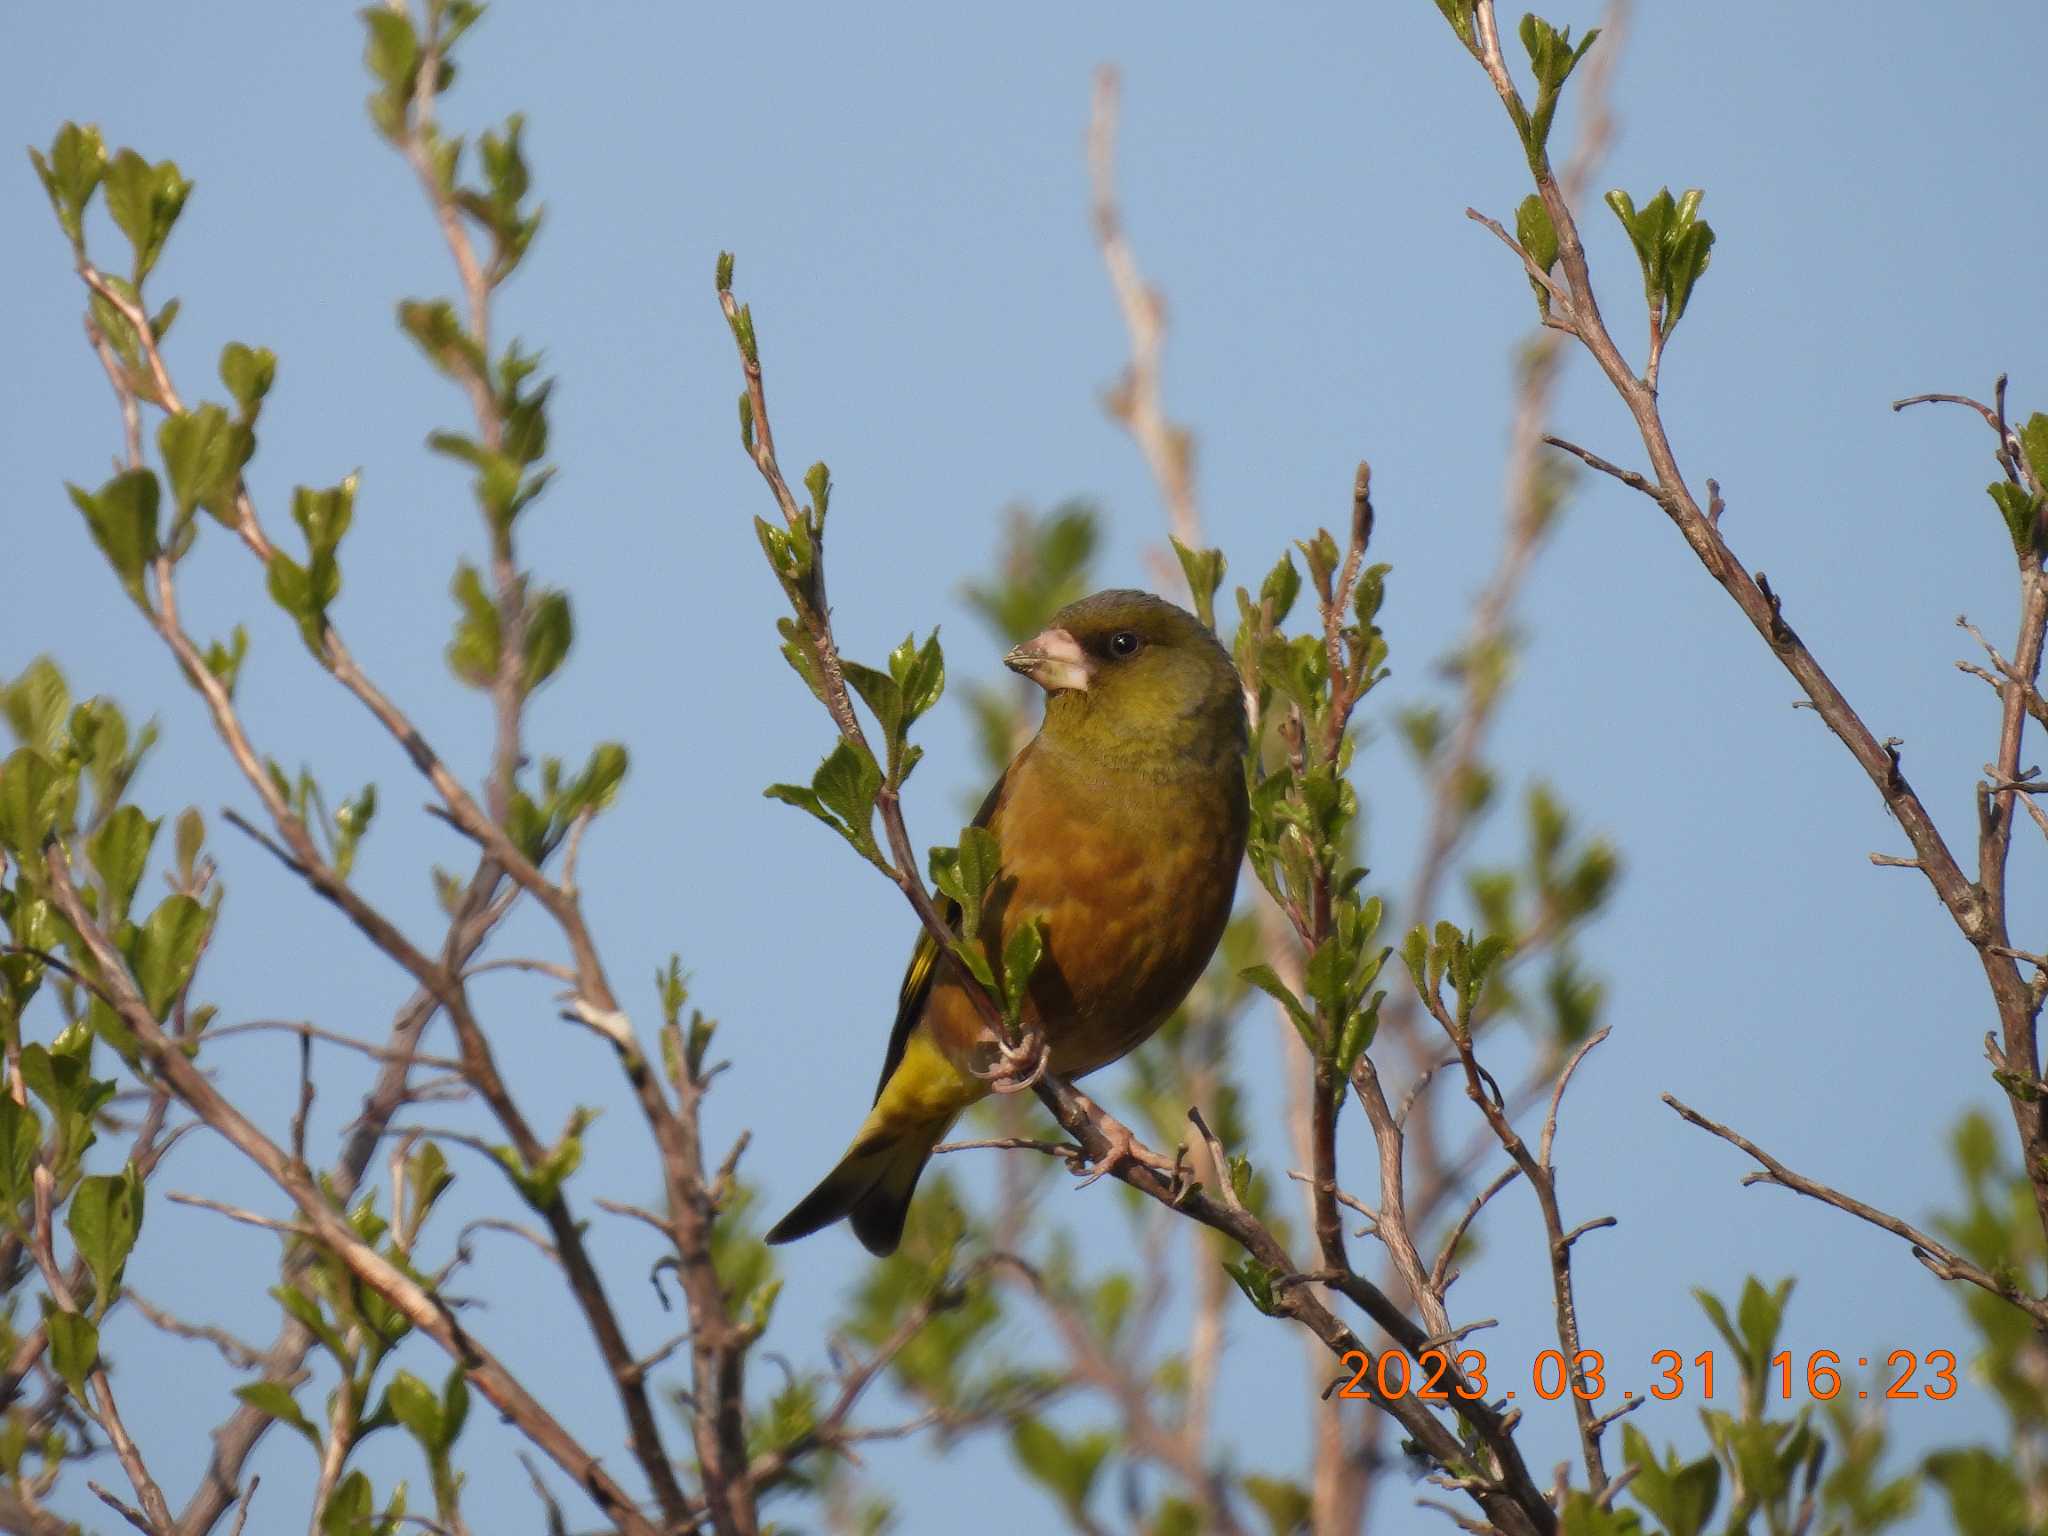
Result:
<point x="906" y="195"/>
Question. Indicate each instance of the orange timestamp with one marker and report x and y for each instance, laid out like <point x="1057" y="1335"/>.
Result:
<point x="1437" y="1376"/>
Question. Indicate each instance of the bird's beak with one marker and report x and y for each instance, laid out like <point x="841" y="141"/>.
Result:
<point x="1054" y="660"/>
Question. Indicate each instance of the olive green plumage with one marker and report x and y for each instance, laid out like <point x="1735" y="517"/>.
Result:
<point x="1120" y="826"/>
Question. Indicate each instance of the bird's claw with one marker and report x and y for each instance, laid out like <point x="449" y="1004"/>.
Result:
<point x="1123" y="1150"/>
<point x="1016" y="1067"/>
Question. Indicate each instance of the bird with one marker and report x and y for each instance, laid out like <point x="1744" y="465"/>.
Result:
<point x="1120" y="828"/>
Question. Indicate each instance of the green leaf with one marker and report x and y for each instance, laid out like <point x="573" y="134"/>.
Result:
<point x="1203" y="569"/>
<point x="1759" y="1315"/>
<point x="549" y="631"/>
<point x="1328" y="976"/>
<point x="1551" y="55"/>
<point x="291" y="588"/>
<point x="1255" y="1280"/>
<point x="1268" y="981"/>
<point x="21" y="1138"/>
<point x="971" y="956"/>
<point x="1681" y="1496"/>
<point x="454" y="1405"/>
<point x="160" y="323"/>
<point x="1538" y="236"/>
<point x="966" y="873"/>
<point x="391" y="49"/>
<point x="105" y="1024"/>
<point x="456" y="446"/>
<point x="1552" y="58"/>
<point x="1584" y="1515"/>
<point x="1448" y="951"/>
<point x="598" y="785"/>
<point x="1356" y="1038"/>
<point x="352" y="819"/>
<point x="120" y="851"/>
<point x="743" y="333"/>
<point x="473" y="653"/>
<point x="1021" y="954"/>
<point x="1415" y="954"/>
<point x="1067" y="1466"/>
<point x="167" y="950"/>
<point x="1691" y="249"/>
<point x="225" y="661"/>
<point x="1280" y="588"/>
<point x="1372" y="591"/>
<point x="105" y="1218"/>
<point x="37" y="705"/>
<point x="350" y="1508"/>
<point x="415" y="1405"/>
<point x="1985" y="1496"/>
<point x="122" y="518"/>
<point x="980" y="859"/>
<point x="845" y="785"/>
<point x="543" y="1184"/>
<point x="275" y="1399"/>
<point x="1624" y="208"/>
<point x="248" y="372"/>
<point x="1459" y="14"/>
<point x="324" y="517"/>
<point x="1321" y="555"/>
<point x="818" y="481"/>
<point x="74" y="1347"/>
<point x="145" y="201"/>
<point x="1672" y="245"/>
<point x="305" y="591"/>
<point x="426" y="1178"/>
<point x="980" y="864"/>
<point x="527" y="826"/>
<point x="919" y="672"/>
<point x="203" y="453"/>
<point x="2021" y="511"/>
<point x="1484" y="957"/>
<point x="433" y="326"/>
<point x="32" y="795"/>
<point x="2033" y="435"/>
<point x="307" y="1312"/>
<point x="72" y="172"/>
<point x="61" y="1076"/>
<point x="880" y="692"/>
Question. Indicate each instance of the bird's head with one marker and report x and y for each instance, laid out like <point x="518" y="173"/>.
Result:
<point x="1136" y="667"/>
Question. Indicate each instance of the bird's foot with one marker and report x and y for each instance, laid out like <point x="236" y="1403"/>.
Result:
<point x="1123" y="1151"/>
<point x="1015" y="1068"/>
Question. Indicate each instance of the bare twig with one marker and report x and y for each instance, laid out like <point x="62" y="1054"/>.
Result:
<point x="1938" y="1257"/>
<point x="1542" y="1177"/>
<point x="238" y="1353"/>
<point x="242" y="1506"/>
<point x="1440" y="1272"/>
<point x="1136" y="400"/>
<point x="1592" y="460"/>
<point x="128" y="1512"/>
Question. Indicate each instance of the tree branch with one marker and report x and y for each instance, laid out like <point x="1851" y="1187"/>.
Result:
<point x="1941" y="1259"/>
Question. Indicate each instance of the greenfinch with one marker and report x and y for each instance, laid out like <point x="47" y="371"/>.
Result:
<point x="1120" y="827"/>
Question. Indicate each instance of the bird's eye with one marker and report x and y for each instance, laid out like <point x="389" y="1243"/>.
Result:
<point x="1125" y="643"/>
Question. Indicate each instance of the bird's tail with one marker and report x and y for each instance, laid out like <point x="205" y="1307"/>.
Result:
<point x="872" y="1185"/>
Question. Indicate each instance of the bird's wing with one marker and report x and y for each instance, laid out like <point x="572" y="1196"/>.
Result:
<point x="924" y="959"/>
